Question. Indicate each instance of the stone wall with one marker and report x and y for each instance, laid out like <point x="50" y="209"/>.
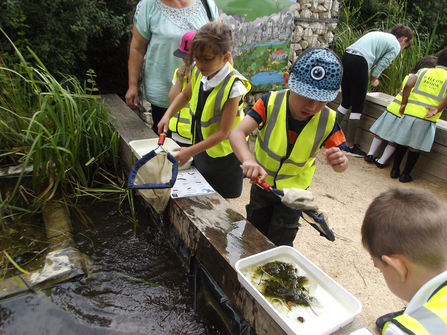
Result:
<point x="314" y="25"/>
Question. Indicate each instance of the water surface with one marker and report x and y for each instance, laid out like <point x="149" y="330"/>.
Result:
<point x="107" y="301"/>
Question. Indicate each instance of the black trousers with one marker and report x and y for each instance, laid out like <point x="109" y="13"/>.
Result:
<point x="271" y="217"/>
<point x="354" y="84"/>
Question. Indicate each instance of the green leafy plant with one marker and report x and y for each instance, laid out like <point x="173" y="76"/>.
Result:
<point x="382" y="15"/>
<point x="62" y="128"/>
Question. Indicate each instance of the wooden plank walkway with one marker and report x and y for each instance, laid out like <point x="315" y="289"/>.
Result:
<point x="214" y="231"/>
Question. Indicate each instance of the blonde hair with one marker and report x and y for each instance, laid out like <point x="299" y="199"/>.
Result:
<point x="214" y="35"/>
<point x="409" y="222"/>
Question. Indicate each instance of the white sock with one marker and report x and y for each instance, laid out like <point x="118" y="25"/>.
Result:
<point x="374" y="145"/>
<point x="389" y="150"/>
<point x="342" y="110"/>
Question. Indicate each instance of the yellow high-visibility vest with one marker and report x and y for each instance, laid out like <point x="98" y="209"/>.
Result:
<point x="212" y="111"/>
<point x="394" y="106"/>
<point x="430" y="319"/>
<point x="429" y="90"/>
<point x="180" y="123"/>
<point x="297" y="169"/>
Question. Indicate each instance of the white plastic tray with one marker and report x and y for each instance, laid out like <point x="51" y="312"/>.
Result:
<point x="339" y="306"/>
<point x="142" y="147"/>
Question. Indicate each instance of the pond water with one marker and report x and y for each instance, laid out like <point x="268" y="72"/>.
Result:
<point x="113" y="299"/>
<point x="267" y="77"/>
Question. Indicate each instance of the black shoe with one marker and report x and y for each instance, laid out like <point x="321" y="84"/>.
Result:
<point x="355" y="151"/>
<point x="369" y="158"/>
<point x="394" y="174"/>
<point x="405" y="178"/>
<point x="380" y="322"/>
<point x="380" y="166"/>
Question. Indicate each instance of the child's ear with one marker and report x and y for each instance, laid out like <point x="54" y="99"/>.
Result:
<point x="398" y="263"/>
<point x="227" y="56"/>
<point x="286" y="79"/>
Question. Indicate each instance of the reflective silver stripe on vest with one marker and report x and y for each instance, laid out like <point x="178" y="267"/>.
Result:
<point x="185" y="120"/>
<point x="286" y="176"/>
<point x="269" y="172"/>
<point x="324" y="118"/>
<point x="197" y="73"/>
<point x="425" y="94"/>
<point x="219" y="97"/>
<point x="271" y="124"/>
<point x="397" y="101"/>
<point x="420" y="103"/>
<point x="429" y="320"/>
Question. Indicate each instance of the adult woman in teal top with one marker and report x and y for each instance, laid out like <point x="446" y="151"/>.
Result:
<point x="157" y="32"/>
<point x="374" y="50"/>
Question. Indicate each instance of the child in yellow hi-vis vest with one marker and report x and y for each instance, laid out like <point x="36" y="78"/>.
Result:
<point x="293" y="126"/>
<point x="215" y="95"/>
<point x="384" y="126"/>
<point x="180" y="123"/>
<point x="404" y="231"/>
<point x="417" y="127"/>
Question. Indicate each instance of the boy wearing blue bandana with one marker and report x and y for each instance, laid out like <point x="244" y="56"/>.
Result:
<point x="293" y="125"/>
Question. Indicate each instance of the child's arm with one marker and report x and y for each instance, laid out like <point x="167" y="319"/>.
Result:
<point x="229" y="112"/>
<point x="435" y="110"/>
<point x="406" y="93"/>
<point x="238" y="141"/>
<point x="179" y="102"/>
<point x="177" y="87"/>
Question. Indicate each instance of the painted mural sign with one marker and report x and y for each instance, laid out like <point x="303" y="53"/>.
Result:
<point x="262" y="31"/>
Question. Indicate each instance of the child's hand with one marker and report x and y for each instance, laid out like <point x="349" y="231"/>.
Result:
<point x="163" y="125"/>
<point x="182" y="71"/>
<point x="253" y="170"/>
<point x="374" y="81"/>
<point x="432" y="111"/>
<point x="336" y="159"/>
<point x="182" y="156"/>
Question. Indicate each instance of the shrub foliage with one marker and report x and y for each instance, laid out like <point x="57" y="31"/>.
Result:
<point x="69" y="36"/>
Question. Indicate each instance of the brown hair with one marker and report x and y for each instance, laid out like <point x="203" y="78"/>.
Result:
<point x="409" y="222"/>
<point x="442" y="58"/>
<point x="403" y="31"/>
<point x="424" y="62"/>
<point x="214" y="35"/>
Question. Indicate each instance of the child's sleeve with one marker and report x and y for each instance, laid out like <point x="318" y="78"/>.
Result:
<point x="336" y="138"/>
<point x="259" y="110"/>
<point x="385" y="60"/>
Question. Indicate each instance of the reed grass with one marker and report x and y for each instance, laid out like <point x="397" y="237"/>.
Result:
<point x="62" y="128"/>
<point x="349" y="30"/>
<point x="65" y="131"/>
